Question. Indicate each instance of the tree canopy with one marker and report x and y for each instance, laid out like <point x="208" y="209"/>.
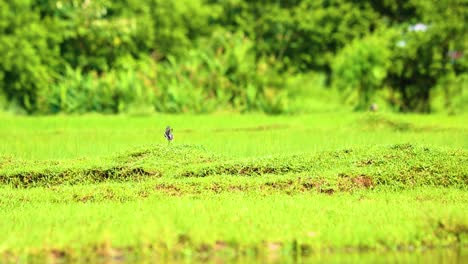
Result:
<point x="78" y="56"/>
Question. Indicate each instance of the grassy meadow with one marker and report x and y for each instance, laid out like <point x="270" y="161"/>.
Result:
<point x="331" y="187"/>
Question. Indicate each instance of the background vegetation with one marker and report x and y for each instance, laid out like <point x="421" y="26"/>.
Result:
<point x="76" y="56"/>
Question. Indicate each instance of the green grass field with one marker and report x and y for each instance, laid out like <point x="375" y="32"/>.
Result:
<point x="329" y="187"/>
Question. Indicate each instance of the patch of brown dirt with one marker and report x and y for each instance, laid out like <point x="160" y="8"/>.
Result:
<point x="363" y="181"/>
<point x="348" y="183"/>
<point x="112" y="253"/>
<point x="83" y="199"/>
<point x="118" y="173"/>
<point x="328" y="191"/>
<point x="365" y="162"/>
<point x="237" y="188"/>
<point x="220" y="245"/>
<point x="57" y="256"/>
<point x="169" y="189"/>
<point x="251" y="170"/>
<point x="310" y="185"/>
<point x="217" y="188"/>
<point x="279" y="185"/>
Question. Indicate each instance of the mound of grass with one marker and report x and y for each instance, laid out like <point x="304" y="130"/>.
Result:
<point x="401" y="166"/>
<point x="182" y="201"/>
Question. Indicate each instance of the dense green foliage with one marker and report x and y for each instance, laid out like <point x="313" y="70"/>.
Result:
<point x="206" y="55"/>
<point x="240" y="187"/>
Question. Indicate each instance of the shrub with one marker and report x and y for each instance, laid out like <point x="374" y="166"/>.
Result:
<point x="421" y="53"/>
<point x="27" y="53"/>
<point x="361" y="67"/>
<point x="222" y="72"/>
<point x="123" y="89"/>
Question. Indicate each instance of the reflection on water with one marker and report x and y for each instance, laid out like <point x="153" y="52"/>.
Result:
<point x="448" y="255"/>
<point x="451" y="255"/>
<point x="427" y="256"/>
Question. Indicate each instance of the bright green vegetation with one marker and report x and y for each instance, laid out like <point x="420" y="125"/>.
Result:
<point x="202" y="56"/>
<point x="79" y="219"/>
<point x="71" y="137"/>
<point x="316" y="186"/>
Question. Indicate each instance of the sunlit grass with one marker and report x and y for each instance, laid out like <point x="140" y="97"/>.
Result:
<point x="372" y="220"/>
<point x="250" y="185"/>
<point x="235" y="136"/>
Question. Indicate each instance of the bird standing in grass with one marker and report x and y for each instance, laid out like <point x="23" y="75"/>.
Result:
<point x="168" y="134"/>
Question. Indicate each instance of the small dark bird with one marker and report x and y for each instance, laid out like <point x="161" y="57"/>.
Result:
<point x="168" y="134"/>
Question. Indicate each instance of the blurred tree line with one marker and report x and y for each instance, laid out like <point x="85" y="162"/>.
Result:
<point x="76" y="56"/>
